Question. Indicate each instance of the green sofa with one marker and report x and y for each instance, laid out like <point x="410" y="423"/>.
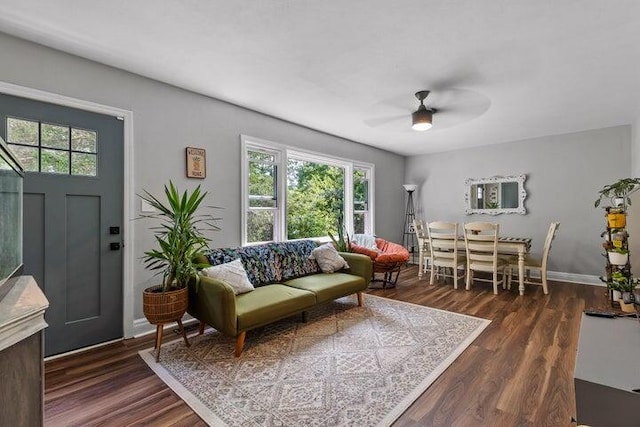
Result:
<point x="286" y="280"/>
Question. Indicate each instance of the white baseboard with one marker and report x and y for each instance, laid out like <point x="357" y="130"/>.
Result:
<point x="142" y="327"/>
<point x="586" y="279"/>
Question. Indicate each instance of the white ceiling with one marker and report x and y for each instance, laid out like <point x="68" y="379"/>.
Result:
<point x="500" y="70"/>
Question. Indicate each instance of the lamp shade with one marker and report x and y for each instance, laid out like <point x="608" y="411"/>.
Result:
<point x="421" y="119"/>
<point x="410" y="187"/>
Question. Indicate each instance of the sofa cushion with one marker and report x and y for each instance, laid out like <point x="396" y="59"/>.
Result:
<point x="328" y="258"/>
<point x="258" y="261"/>
<point x="233" y="273"/>
<point x="292" y="259"/>
<point x="270" y="303"/>
<point x="329" y="286"/>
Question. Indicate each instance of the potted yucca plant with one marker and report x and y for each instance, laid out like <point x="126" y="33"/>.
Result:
<point x="180" y="239"/>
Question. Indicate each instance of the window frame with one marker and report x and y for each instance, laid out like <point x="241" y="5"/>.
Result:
<point x="282" y="154"/>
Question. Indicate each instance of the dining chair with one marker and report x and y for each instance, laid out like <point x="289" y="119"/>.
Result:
<point x="423" y="246"/>
<point x="481" y="243"/>
<point x="443" y="244"/>
<point x="539" y="264"/>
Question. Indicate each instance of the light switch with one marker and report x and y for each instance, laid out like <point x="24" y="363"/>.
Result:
<point x="146" y="207"/>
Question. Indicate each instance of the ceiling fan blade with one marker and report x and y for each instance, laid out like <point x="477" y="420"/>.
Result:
<point x="457" y="106"/>
<point x="380" y="121"/>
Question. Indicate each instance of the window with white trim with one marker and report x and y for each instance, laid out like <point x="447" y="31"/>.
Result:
<point x="262" y="195"/>
<point x="289" y="194"/>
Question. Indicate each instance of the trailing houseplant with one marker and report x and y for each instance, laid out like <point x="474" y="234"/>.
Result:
<point x="618" y="255"/>
<point x="618" y="190"/>
<point x="180" y="238"/>
<point x="625" y="285"/>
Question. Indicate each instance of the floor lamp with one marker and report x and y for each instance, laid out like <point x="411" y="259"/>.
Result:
<point x="409" y="232"/>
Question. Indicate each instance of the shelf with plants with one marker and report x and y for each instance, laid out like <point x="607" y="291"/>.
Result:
<point x="618" y="277"/>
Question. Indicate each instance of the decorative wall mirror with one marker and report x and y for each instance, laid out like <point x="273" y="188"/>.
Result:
<point x="495" y="195"/>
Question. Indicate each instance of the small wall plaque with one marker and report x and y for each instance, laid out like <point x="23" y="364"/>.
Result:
<point x="196" y="163"/>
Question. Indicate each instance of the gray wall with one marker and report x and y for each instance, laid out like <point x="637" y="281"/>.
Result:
<point x="168" y="119"/>
<point x="564" y="174"/>
<point x="635" y="148"/>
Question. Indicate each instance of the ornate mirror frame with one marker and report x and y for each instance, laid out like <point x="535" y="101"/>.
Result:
<point x="522" y="195"/>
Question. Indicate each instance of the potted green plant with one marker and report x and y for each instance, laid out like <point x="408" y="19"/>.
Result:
<point x="618" y="193"/>
<point x="618" y="256"/>
<point x="625" y="286"/>
<point x="180" y="239"/>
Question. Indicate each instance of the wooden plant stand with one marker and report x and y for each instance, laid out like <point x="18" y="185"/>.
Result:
<point x="161" y="308"/>
<point x="159" y="332"/>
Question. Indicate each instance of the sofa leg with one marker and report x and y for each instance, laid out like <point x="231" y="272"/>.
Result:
<point x="305" y="316"/>
<point x="201" y="328"/>
<point x="240" y="343"/>
<point x="360" y="299"/>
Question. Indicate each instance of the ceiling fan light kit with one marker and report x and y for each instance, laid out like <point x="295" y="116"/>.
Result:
<point x="421" y="119"/>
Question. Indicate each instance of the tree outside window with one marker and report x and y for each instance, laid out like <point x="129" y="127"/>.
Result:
<point x="315" y="198"/>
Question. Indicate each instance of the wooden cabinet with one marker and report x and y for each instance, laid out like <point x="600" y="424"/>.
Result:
<point x="22" y="307"/>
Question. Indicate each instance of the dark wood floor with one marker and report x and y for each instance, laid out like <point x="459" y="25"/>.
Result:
<point x="519" y="372"/>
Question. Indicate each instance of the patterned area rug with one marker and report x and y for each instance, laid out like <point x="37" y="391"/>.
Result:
<point x="347" y="366"/>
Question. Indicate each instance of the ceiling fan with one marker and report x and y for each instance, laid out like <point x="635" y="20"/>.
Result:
<point x="454" y="107"/>
<point x="422" y="118"/>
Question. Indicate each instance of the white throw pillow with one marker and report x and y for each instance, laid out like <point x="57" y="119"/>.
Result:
<point x="328" y="258"/>
<point x="366" y="240"/>
<point x="232" y="273"/>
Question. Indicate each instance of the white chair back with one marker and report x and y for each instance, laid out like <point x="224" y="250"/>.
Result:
<point x="551" y="234"/>
<point x="443" y="237"/>
<point x="481" y="243"/>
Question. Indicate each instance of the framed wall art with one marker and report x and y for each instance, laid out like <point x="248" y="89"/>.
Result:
<point x="196" y="163"/>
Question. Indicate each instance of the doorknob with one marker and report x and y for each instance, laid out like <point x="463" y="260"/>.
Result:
<point x="115" y="246"/>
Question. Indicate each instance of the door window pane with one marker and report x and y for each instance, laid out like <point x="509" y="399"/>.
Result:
<point x="28" y="156"/>
<point x="83" y="164"/>
<point x="83" y="140"/>
<point x="54" y="161"/>
<point x="52" y="148"/>
<point x="55" y="136"/>
<point x="22" y="131"/>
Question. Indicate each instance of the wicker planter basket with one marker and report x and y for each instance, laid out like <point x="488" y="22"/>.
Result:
<point x="164" y="307"/>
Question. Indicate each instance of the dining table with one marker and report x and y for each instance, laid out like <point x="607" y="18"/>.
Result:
<point x="519" y="246"/>
<point x="507" y="245"/>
